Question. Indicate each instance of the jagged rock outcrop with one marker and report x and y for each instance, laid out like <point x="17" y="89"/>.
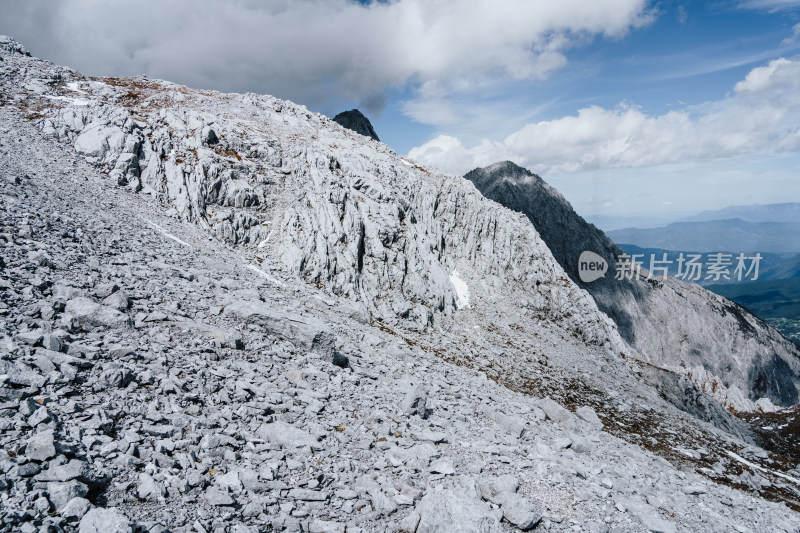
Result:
<point x="729" y="353"/>
<point x="313" y="200"/>
<point x="356" y="121"/>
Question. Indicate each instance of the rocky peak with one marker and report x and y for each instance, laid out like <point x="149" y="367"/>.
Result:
<point x="13" y="46"/>
<point x="506" y="169"/>
<point x="722" y="347"/>
<point x="356" y="121"/>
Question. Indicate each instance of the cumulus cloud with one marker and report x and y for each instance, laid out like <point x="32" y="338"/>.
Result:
<point x="310" y="50"/>
<point x="761" y="115"/>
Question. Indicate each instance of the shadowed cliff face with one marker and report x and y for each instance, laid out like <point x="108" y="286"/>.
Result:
<point x="356" y="121"/>
<point x="564" y="231"/>
<point x="713" y="341"/>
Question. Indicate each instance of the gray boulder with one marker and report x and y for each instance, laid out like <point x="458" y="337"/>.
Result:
<point x="62" y="492"/>
<point x="105" y="521"/>
<point x="444" y="510"/>
<point x="415" y="402"/>
<point x="92" y="314"/>
<point x="41" y="447"/>
<point x="589" y="417"/>
<point x="555" y="412"/>
<point x="149" y="489"/>
<point x="519" y="511"/>
<point x="117" y="300"/>
<point x="218" y="497"/>
<point x="492" y="489"/>
<point x="73" y="469"/>
<point x="98" y="140"/>
<point x="76" y="508"/>
<point x="288" y="436"/>
<point x="302" y="331"/>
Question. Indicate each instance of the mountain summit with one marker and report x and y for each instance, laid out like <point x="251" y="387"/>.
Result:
<point x="356" y="121"/>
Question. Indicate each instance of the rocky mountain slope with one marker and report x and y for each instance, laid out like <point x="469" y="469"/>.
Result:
<point x="314" y="200"/>
<point x="226" y="313"/>
<point x="729" y="353"/>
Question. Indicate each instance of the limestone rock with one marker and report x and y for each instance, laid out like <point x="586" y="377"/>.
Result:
<point x="41" y="447"/>
<point x="452" y="510"/>
<point x="90" y="313"/>
<point x="666" y="319"/>
<point x="100" y="520"/>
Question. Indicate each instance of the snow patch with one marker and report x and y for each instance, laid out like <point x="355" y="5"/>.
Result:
<point x="265" y="241"/>
<point x="73" y="101"/>
<point x="75" y="86"/>
<point x="762" y="469"/>
<point x="263" y="274"/>
<point x="462" y="290"/>
<point x="165" y="233"/>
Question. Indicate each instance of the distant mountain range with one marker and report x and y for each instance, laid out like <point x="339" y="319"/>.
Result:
<point x="785" y="212"/>
<point x="731" y="235"/>
<point x="614" y="222"/>
<point x="771" y="266"/>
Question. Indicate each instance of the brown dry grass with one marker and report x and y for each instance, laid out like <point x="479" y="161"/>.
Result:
<point x="225" y="152"/>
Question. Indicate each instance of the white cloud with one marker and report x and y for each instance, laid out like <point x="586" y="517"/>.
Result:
<point x="793" y="37"/>
<point x="691" y="187"/>
<point x="308" y="50"/>
<point x="770" y="5"/>
<point x="683" y="15"/>
<point x="761" y="115"/>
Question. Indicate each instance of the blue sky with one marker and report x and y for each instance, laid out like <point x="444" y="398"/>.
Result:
<point x="629" y="107"/>
<point x="692" y="52"/>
